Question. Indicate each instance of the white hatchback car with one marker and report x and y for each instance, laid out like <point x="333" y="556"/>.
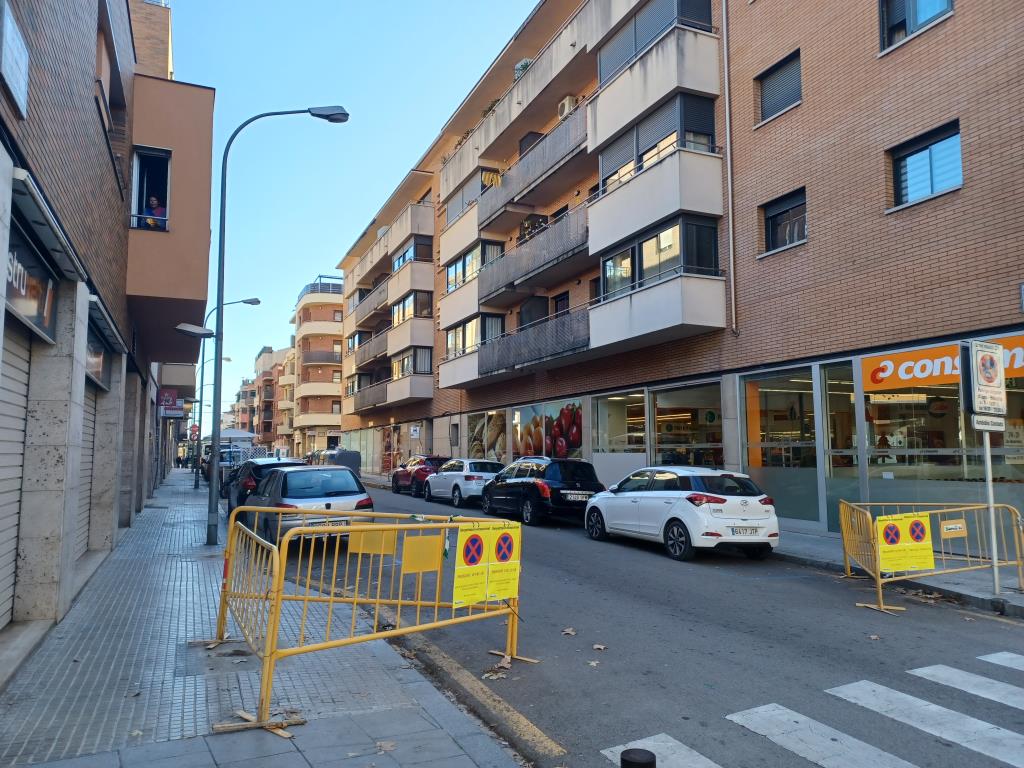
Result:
<point x="687" y="508"/>
<point x="460" y="480"/>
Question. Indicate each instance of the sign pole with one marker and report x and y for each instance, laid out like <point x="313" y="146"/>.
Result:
<point x="989" y="491"/>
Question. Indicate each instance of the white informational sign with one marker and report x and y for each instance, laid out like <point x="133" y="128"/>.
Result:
<point x="14" y="60"/>
<point x="414" y="432"/>
<point x="984" y="423"/>
<point x="988" y="383"/>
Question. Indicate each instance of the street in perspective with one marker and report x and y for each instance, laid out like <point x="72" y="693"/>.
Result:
<point x="556" y="383"/>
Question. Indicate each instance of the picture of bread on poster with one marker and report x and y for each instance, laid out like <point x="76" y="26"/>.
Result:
<point x="476" y="423"/>
<point x="494" y="442"/>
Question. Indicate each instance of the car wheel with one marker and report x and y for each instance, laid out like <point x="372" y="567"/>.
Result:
<point x="758" y="553"/>
<point x="595" y="525"/>
<point x="427" y="495"/>
<point x="529" y="513"/>
<point x="677" y="541"/>
<point x="394" y="484"/>
<point x="416" y="489"/>
<point x="457" y="501"/>
<point x="485" y="504"/>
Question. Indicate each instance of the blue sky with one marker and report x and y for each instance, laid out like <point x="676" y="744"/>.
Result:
<point x="301" y="190"/>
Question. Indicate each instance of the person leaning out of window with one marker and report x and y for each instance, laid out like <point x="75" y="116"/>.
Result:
<point x="154" y="216"/>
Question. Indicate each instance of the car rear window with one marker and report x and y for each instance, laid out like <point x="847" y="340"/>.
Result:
<point x="434" y="463"/>
<point x="571" y="471"/>
<point x="729" y="485"/>
<point x="258" y="470"/>
<point x="485" y="466"/>
<point x="321" y="483"/>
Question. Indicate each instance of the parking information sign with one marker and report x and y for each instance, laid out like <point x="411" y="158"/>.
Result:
<point x="487" y="563"/>
<point x="904" y="543"/>
<point x="985" y="379"/>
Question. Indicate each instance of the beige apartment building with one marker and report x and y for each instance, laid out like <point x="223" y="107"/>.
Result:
<point x="739" y="233"/>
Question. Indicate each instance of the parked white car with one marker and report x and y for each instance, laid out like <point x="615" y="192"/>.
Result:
<point x="687" y="508"/>
<point x="304" y="488"/>
<point x="460" y="480"/>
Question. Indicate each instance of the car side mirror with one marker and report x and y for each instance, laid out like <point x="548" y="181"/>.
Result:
<point x="613" y="488"/>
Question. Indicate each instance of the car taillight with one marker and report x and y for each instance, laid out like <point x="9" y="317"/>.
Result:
<point x="470" y="478"/>
<point x="768" y="501"/>
<point x="248" y="484"/>
<point x="712" y="534"/>
<point x="285" y="506"/>
<point x="366" y="503"/>
<point x="543" y="488"/>
<point x="773" y="535"/>
<point x="699" y="499"/>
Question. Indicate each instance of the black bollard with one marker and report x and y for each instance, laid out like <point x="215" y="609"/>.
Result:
<point x="638" y="758"/>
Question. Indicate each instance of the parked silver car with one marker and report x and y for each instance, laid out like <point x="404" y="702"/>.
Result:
<point x="307" y="488"/>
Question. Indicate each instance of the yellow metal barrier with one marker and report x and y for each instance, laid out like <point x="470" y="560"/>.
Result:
<point x="317" y="580"/>
<point x="897" y="541"/>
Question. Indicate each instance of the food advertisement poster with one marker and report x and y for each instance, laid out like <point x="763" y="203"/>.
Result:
<point x="487" y="435"/>
<point x="563" y="427"/>
<point x="528" y="438"/>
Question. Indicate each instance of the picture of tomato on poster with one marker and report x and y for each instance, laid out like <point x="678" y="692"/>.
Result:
<point x="528" y="436"/>
<point x="563" y="433"/>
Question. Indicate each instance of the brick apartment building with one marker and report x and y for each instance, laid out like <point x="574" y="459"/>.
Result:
<point x="105" y="167"/>
<point x="739" y="233"/>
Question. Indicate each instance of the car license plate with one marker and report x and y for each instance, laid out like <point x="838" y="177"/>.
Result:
<point x="744" y="531"/>
<point x="575" y="495"/>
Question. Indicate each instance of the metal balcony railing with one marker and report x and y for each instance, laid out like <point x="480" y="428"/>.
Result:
<point x="553" y="337"/>
<point x="375" y="394"/>
<point x="564" y="235"/>
<point x="313" y="357"/>
<point x="372" y="349"/>
<point x="324" y="284"/>
<point x="548" y="152"/>
<point x="374" y="300"/>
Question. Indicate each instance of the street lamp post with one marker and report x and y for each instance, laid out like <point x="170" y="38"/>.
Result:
<point x="331" y="114"/>
<point x="202" y="375"/>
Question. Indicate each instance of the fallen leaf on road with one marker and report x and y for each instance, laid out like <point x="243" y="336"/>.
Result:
<point x="569" y="631"/>
<point x="599" y="647"/>
<point x="135" y="733"/>
<point x="239" y="661"/>
<point x="385" y="746"/>
<point x="593" y="663"/>
<point x="494" y="676"/>
<point x="968" y="618"/>
<point x="874" y="637"/>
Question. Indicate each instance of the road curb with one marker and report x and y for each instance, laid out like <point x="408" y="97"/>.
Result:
<point x="994" y="604"/>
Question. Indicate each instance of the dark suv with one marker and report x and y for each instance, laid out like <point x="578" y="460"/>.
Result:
<point x="412" y="474"/>
<point x="536" y="486"/>
<point x="243" y="480"/>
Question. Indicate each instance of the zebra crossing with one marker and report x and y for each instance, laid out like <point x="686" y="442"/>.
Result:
<point x="822" y="745"/>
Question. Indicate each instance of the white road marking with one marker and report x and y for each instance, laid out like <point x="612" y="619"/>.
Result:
<point x="670" y="753"/>
<point x="814" y="741"/>
<point x="946" y="724"/>
<point x="985" y="687"/>
<point x="1006" y="659"/>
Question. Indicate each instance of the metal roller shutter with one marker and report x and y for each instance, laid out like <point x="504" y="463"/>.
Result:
<point x="699" y="114"/>
<point x="14" y="370"/>
<point x="659" y="124"/>
<point x="652" y="19"/>
<point x="780" y="87"/>
<point x="617" y="154"/>
<point x="616" y="51"/>
<point x="85" y="472"/>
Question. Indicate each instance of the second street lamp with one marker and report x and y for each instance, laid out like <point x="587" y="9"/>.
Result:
<point x="332" y="114"/>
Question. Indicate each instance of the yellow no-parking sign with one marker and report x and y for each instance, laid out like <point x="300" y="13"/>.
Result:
<point x="904" y="543"/>
<point x="487" y="563"/>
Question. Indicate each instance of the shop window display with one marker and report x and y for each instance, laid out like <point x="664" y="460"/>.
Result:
<point x="688" y="426"/>
<point x="620" y="423"/>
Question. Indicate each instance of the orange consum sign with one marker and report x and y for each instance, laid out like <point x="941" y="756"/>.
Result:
<point x="931" y="365"/>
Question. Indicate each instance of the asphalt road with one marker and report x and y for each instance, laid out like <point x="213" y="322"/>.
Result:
<point x="688" y="644"/>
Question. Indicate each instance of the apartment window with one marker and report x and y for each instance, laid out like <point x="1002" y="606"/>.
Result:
<point x="900" y="18"/>
<point x="463" y="338"/>
<point x="335" y="406"/>
<point x="560" y="304"/>
<point x="595" y="288"/>
<point x="151" y="182"/>
<point x="927" y="165"/>
<point x="657" y="136"/>
<point x="687" y="245"/>
<point x="468" y="193"/>
<point x="466" y="266"/>
<point x="338" y="316"/>
<point x="785" y="221"/>
<point x="413" y="360"/>
<point x="336" y="377"/>
<point x="418" y="250"/>
<point x="780" y="86"/>
<point x="645" y="26"/>
<point x="415" y="304"/>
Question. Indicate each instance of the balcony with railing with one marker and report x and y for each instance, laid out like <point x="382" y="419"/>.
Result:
<point x="324" y="284"/>
<point x="537" y="344"/>
<point x="321" y="357"/>
<point x="369" y="351"/>
<point x="376" y="301"/>
<point x="371" y="396"/>
<point x="415" y="219"/>
<point x="545" y="259"/>
<point x="524" y="182"/>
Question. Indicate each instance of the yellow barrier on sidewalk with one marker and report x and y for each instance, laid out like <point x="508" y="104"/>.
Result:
<point x="897" y="541"/>
<point x="316" y="580"/>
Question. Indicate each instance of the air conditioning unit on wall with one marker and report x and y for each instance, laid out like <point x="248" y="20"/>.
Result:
<point x="565" y="106"/>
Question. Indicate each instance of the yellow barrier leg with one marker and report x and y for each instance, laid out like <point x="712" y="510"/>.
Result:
<point x="222" y="610"/>
<point x="266" y="689"/>
<point x="512" y="635"/>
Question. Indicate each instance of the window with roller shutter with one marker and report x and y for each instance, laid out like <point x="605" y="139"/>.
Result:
<point x="900" y="18"/>
<point x="780" y="86"/>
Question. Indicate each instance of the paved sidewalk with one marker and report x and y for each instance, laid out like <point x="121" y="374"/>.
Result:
<point x="117" y="683"/>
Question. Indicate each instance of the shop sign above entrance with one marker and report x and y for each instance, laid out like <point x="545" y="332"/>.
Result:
<point x="31" y="287"/>
<point x="932" y="365"/>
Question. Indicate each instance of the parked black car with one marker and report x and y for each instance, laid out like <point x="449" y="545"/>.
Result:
<point x="246" y="476"/>
<point x="536" y="486"/>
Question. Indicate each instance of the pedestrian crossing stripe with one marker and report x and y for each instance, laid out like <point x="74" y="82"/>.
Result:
<point x="984" y="687"/>
<point x="1005" y="659"/>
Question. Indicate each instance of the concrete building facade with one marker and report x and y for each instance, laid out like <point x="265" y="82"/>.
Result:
<point x="710" y="233"/>
<point x="105" y="168"/>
